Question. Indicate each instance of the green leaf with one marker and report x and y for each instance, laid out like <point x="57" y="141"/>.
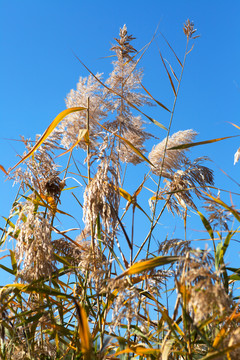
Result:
<point x="9" y="222"/>
<point x="14" y="261"/>
<point x="206" y="225"/>
<point x="7" y="269"/>
<point x="226" y="244"/>
<point x="36" y="289"/>
<point x="31" y="319"/>
<point x="217" y="255"/>
<point x="234" y="277"/>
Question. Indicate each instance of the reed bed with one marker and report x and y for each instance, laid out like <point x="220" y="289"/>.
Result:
<point x="118" y="289"/>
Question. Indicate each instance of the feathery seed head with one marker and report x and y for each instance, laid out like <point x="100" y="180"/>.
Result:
<point x="171" y="159"/>
<point x="101" y="197"/>
<point x="207" y="297"/>
<point x="69" y="127"/>
<point x="124" y="48"/>
<point x="185" y="182"/>
<point x="34" y="251"/>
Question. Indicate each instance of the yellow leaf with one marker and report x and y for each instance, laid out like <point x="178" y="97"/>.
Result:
<point x="149" y="264"/>
<point x="220" y="202"/>
<point x="84" y="332"/>
<point x="234" y="125"/>
<point x="188" y="145"/>
<point x="139" y="350"/>
<point x="2" y="168"/>
<point x="82" y="133"/>
<point x="48" y="131"/>
<point x="125" y="194"/>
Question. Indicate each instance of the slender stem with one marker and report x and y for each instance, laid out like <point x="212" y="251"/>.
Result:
<point x="132" y="236"/>
<point x="65" y="175"/>
<point x="92" y="228"/>
<point x="88" y="167"/>
<point x="152" y="227"/>
<point x="88" y="145"/>
<point x="165" y="148"/>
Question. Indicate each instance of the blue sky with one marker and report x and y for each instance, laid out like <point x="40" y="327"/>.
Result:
<point x="38" y="68"/>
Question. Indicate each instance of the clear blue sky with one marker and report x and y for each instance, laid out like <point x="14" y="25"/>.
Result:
<point x="38" y="68"/>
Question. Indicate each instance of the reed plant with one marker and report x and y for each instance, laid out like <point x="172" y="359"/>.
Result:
<point x="118" y="289"/>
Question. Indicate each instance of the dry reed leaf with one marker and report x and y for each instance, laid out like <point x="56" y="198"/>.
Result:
<point x="82" y="133"/>
<point x="238" y="127"/>
<point x="158" y="102"/>
<point x="2" y="168"/>
<point x="49" y="205"/>
<point x="48" y="131"/>
<point x="173" y="72"/>
<point x="138" y="350"/>
<point x="215" y="354"/>
<point x="172" y="50"/>
<point x="169" y="76"/>
<point x="149" y="264"/>
<point x="125" y="194"/>
<point x="141" y="351"/>
<point x="84" y="332"/>
<point x="221" y="334"/>
<point x="188" y="145"/>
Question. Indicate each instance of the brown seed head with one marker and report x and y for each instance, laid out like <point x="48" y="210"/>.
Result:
<point x="188" y="29"/>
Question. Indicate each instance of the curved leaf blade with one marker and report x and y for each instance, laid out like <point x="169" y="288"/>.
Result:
<point x="206" y="225"/>
<point x="235" y="213"/>
<point x="169" y="76"/>
<point x="158" y="102"/>
<point x="188" y="145"/>
<point x="2" y="168"/>
<point x="48" y="131"/>
<point x="82" y="133"/>
<point x="149" y="264"/>
<point x="84" y="332"/>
